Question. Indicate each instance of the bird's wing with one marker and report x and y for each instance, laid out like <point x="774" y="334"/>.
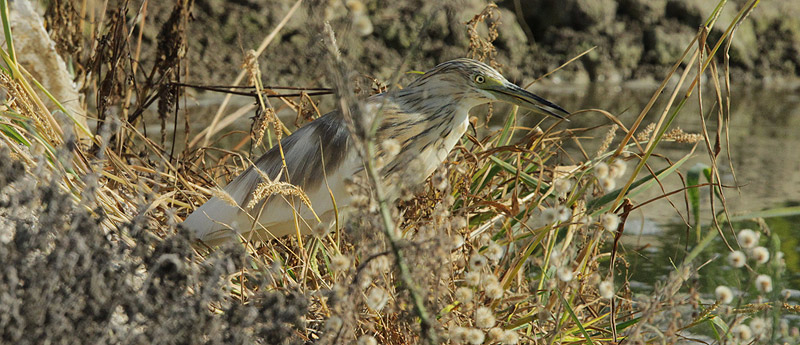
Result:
<point x="323" y="142"/>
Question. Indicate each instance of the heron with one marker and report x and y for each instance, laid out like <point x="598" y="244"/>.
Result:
<point x="418" y="127"/>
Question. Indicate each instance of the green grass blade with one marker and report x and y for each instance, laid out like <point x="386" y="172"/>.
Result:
<point x="575" y="318"/>
<point x="7" y="33"/>
<point x="13" y="134"/>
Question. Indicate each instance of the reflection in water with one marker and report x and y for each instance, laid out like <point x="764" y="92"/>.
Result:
<point x="764" y="132"/>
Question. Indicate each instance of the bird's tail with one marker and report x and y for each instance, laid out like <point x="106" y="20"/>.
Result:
<point x="216" y="220"/>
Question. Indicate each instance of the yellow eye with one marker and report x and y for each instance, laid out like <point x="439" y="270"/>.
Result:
<point x="480" y="79"/>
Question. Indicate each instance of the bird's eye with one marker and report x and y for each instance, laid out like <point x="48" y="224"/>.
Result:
<point x="480" y="79"/>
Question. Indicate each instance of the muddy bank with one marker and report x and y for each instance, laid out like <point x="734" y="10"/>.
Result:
<point x="635" y="39"/>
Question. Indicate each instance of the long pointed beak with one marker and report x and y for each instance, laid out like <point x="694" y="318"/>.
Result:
<point x="516" y="95"/>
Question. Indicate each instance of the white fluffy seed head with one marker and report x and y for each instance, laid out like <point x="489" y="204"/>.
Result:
<point x="367" y="340"/>
<point x="764" y="283"/>
<point x="484" y="318"/>
<point x="333" y="323"/>
<point x="724" y="294"/>
<point x="549" y="215"/>
<point x="477" y="262"/>
<point x="617" y="169"/>
<point x="439" y="181"/>
<point x="736" y="259"/>
<point x="475" y="336"/>
<point x="564" y="213"/>
<point x="758" y="326"/>
<point x="362" y="24"/>
<point x="608" y="184"/>
<point x="458" y="334"/>
<point x="606" y="289"/>
<point x="601" y="170"/>
<point x="742" y="332"/>
<point x="555" y="256"/>
<point x="380" y="265"/>
<point x="748" y="238"/>
<point x="496" y="334"/>
<point x="340" y="263"/>
<point x="493" y="290"/>
<point x="609" y="221"/>
<point x="356" y="6"/>
<point x="510" y="338"/>
<point x="472" y="278"/>
<point x="459" y="222"/>
<point x="562" y="186"/>
<point x="377" y="299"/>
<point x="760" y="255"/>
<point x="464" y="295"/>
<point x="494" y="251"/>
<point x="456" y="241"/>
<point x="564" y="273"/>
<point x="391" y="147"/>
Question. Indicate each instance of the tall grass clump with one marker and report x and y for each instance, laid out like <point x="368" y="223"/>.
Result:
<point x="505" y="244"/>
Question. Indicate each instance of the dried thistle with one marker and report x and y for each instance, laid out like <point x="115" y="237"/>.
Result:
<point x="482" y="48"/>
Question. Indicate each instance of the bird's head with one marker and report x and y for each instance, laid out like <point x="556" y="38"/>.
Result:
<point x="473" y="82"/>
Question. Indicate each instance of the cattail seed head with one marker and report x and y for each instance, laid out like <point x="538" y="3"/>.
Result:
<point x="439" y="181"/>
<point x="459" y="223"/>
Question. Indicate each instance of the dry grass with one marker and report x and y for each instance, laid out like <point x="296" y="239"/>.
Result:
<point x="501" y="246"/>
